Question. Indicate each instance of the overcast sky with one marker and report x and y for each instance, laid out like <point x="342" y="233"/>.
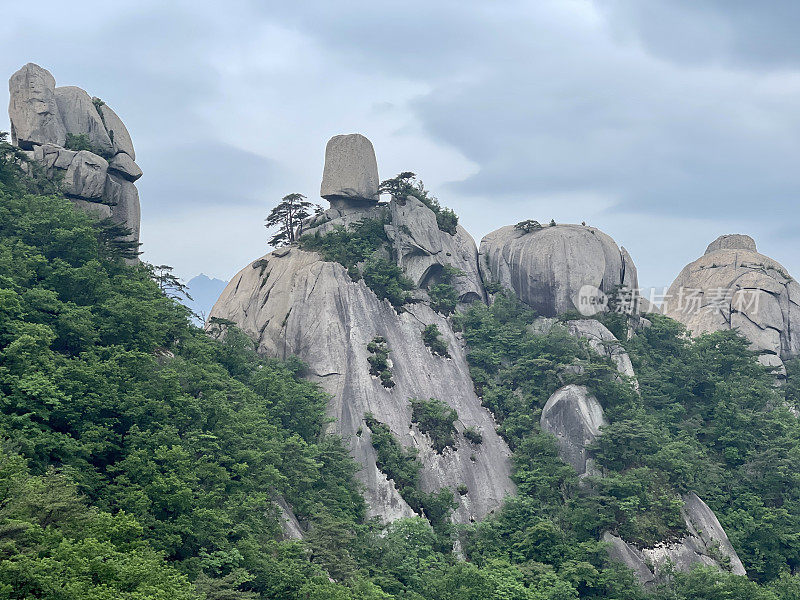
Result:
<point x="663" y="123"/>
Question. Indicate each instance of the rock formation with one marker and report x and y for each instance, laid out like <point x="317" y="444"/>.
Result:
<point x="705" y="543"/>
<point x="292" y="302"/>
<point x="732" y="286"/>
<point x="604" y="343"/>
<point x="551" y="267"/>
<point x="35" y="118"/>
<point x="574" y="417"/>
<point x="46" y="120"/>
<point x="350" y="175"/>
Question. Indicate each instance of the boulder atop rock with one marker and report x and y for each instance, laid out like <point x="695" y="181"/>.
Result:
<point x="32" y="107"/>
<point x="734" y="287"/>
<point x="80" y="117"/>
<point x="350" y="175"/>
<point x="732" y="241"/>
<point x="574" y="417"/>
<point x="550" y="267"/>
<point x="124" y="165"/>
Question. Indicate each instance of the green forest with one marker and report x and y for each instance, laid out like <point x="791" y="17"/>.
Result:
<point x="141" y="458"/>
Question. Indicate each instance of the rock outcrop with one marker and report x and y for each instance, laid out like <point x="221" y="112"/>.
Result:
<point x="732" y="286"/>
<point x="705" y="543"/>
<point x="604" y="343"/>
<point x="291" y="302"/>
<point x="574" y="417"/>
<point x="46" y="119"/>
<point x="553" y="268"/>
<point x="423" y="250"/>
<point x="350" y="175"/>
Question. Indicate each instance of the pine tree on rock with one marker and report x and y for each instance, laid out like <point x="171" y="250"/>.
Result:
<point x="288" y="217"/>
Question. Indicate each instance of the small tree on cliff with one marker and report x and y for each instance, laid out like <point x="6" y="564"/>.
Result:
<point x="288" y="217"/>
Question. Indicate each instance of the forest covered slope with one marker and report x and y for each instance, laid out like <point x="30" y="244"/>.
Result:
<point x="141" y="458"/>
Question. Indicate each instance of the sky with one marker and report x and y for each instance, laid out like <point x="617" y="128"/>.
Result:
<point x="665" y="123"/>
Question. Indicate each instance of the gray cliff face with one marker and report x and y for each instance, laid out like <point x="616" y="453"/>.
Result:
<point x="548" y="267"/>
<point x="293" y="303"/>
<point x="732" y="286"/>
<point x="42" y="115"/>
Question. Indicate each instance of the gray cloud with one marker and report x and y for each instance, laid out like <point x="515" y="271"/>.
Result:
<point x="743" y="33"/>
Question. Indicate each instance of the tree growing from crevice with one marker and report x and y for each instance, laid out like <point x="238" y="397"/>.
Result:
<point x="287" y="219"/>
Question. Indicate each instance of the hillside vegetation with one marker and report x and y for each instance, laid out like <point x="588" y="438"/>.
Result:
<point x="141" y="458"/>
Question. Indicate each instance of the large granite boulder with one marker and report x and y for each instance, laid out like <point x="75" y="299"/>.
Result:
<point x="732" y="286"/>
<point x="556" y="269"/>
<point x="123" y="165"/>
<point x="350" y="175"/>
<point x="291" y="302"/>
<point x="80" y="117"/>
<point x="35" y="118"/>
<point x="574" y="417"/>
<point x="86" y="175"/>
<point x="705" y="543"/>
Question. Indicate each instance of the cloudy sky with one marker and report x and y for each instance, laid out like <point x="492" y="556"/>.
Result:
<point x="663" y="122"/>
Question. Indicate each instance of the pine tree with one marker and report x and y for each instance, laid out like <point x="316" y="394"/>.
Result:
<point x="288" y="217"/>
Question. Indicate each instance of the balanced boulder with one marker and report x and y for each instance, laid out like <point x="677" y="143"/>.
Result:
<point x="350" y="175"/>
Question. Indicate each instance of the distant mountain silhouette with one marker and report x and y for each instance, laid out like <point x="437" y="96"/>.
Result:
<point x="204" y="290"/>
